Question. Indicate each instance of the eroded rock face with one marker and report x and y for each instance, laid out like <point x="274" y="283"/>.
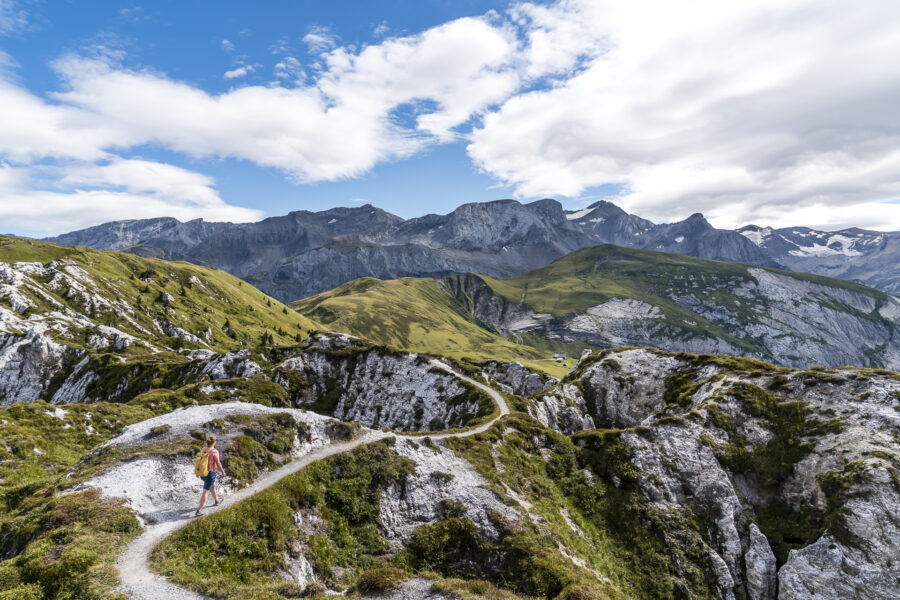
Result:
<point x="378" y="388"/>
<point x="749" y="311"/>
<point x="565" y="410"/>
<point x="333" y="373"/>
<point x="517" y="378"/>
<point x="731" y="441"/>
<point x="440" y="475"/>
<point x="27" y="363"/>
<point x="760" y="566"/>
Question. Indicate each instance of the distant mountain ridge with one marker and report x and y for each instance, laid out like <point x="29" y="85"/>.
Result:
<point x="871" y="257"/>
<point x="304" y="253"/>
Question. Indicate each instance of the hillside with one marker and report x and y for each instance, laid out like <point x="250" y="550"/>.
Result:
<point x="61" y="305"/>
<point x="416" y="314"/>
<point x="363" y="469"/>
<point x="610" y="296"/>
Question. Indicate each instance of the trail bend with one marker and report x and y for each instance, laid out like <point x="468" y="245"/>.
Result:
<point x="139" y="582"/>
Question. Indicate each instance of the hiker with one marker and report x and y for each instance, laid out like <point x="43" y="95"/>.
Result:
<point x="206" y="467"/>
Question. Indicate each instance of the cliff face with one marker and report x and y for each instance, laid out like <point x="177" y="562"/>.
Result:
<point x="377" y="388"/>
<point x="793" y="473"/>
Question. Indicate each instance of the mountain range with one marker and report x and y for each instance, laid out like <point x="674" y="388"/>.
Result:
<point x="306" y="253"/>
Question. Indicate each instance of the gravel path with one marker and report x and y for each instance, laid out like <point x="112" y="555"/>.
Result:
<point x="139" y="582"/>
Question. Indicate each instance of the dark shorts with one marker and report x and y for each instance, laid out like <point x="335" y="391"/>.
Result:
<point x="209" y="480"/>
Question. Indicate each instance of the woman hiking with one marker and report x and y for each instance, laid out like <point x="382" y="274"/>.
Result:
<point x="213" y="465"/>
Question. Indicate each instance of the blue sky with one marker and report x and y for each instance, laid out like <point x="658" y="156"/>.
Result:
<point x="185" y="40"/>
<point x="777" y="113"/>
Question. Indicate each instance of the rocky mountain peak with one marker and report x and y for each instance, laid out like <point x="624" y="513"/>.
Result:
<point x="697" y="220"/>
<point x="549" y="209"/>
<point x="607" y="207"/>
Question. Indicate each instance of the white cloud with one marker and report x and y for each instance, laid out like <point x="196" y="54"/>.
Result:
<point x="31" y="129"/>
<point x="448" y="73"/>
<point x="319" y="39"/>
<point x="239" y="71"/>
<point x="47" y="203"/>
<point x="381" y="29"/>
<point x="288" y="68"/>
<point x="747" y="111"/>
<point x="750" y="111"/>
<point x="12" y="17"/>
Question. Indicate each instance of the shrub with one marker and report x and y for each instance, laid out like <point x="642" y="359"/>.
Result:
<point x="28" y="591"/>
<point x="582" y="592"/>
<point x="160" y="430"/>
<point x="380" y="579"/>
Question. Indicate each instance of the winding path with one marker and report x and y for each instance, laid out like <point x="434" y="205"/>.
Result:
<point x="139" y="582"/>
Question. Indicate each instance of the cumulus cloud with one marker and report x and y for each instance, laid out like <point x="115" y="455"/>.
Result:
<point x="319" y="39"/>
<point x="748" y="111"/>
<point x="751" y="111"/>
<point x="46" y="202"/>
<point x="302" y="130"/>
<point x="239" y="72"/>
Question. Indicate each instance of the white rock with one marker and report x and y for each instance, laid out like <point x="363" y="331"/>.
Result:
<point x="759" y="565"/>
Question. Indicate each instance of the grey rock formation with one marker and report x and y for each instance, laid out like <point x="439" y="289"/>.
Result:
<point x="440" y="475"/>
<point x="518" y="379"/>
<point x="760" y="566"/>
<point x="609" y="224"/>
<point x="380" y="389"/>
<point x="844" y="475"/>
<point x="27" y="363"/>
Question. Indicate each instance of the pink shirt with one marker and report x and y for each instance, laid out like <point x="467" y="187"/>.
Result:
<point x="213" y="457"/>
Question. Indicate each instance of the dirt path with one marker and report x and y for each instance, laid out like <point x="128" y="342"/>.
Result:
<point x="139" y="582"/>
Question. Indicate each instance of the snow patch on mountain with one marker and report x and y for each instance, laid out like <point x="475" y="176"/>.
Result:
<point x="756" y="235"/>
<point x="574" y="216"/>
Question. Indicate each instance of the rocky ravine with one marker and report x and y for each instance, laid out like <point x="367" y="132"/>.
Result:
<point x="808" y="459"/>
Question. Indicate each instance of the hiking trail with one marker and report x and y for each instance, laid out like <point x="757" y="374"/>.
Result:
<point x="139" y="582"/>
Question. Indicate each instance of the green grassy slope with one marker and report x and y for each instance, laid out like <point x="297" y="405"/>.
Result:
<point x="414" y="314"/>
<point x="697" y="297"/>
<point x="481" y="317"/>
<point x="586" y="277"/>
<point x="136" y="295"/>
